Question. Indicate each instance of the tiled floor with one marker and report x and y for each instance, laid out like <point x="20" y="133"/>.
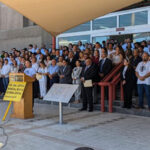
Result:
<point x="100" y="131"/>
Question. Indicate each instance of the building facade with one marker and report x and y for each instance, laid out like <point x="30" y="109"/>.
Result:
<point x="18" y="31"/>
<point x="128" y="23"/>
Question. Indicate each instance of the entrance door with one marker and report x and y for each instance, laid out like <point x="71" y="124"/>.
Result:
<point x="121" y="38"/>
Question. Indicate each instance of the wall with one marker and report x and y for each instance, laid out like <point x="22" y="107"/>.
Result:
<point x="20" y="38"/>
<point x="9" y="18"/>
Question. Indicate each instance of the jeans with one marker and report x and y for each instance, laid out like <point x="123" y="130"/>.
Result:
<point x="141" y="89"/>
<point x="5" y="83"/>
<point x="1" y="85"/>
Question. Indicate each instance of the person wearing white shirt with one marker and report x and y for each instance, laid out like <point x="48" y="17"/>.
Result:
<point x="43" y="80"/>
<point x="98" y="47"/>
<point x="110" y="51"/>
<point x="6" y="69"/>
<point x="143" y="83"/>
<point x="14" y="67"/>
<point x="81" y="47"/>
<point x="35" y="65"/>
<point x="29" y="71"/>
<point x="31" y="48"/>
<point x="35" y="49"/>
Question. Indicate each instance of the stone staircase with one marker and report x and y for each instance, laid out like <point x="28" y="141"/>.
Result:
<point x="117" y="107"/>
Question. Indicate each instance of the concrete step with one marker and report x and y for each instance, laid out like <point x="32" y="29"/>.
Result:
<point x="117" y="107"/>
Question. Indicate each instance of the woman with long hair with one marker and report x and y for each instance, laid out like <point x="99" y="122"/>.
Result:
<point x="42" y="71"/>
<point x="117" y="58"/>
<point x="127" y="78"/>
<point x="76" y="80"/>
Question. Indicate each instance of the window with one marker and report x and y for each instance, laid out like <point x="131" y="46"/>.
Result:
<point x="141" y="18"/>
<point x="141" y="36"/>
<point x="99" y="39"/>
<point x="80" y="28"/>
<point x="125" y="20"/>
<point x="64" y="41"/>
<point x="137" y="18"/>
<point x="27" y="22"/>
<point x="104" y="23"/>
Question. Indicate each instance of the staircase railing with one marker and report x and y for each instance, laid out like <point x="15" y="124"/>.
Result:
<point x="111" y="81"/>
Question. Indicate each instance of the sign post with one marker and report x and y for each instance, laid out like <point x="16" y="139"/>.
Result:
<point x="61" y="93"/>
<point x="60" y="113"/>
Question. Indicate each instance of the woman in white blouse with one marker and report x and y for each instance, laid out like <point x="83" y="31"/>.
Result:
<point x="76" y="80"/>
<point x="14" y="67"/>
<point x="117" y="58"/>
<point x="48" y="61"/>
<point x="42" y="71"/>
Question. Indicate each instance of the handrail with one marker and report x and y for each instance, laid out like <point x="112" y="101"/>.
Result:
<point x="111" y="84"/>
<point x="113" y="72"/>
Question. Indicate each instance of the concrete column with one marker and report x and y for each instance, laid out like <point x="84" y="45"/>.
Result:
<point x="53" y="42"/>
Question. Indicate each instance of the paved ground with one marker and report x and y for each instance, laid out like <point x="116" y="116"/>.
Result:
<point x="100" y="131"/>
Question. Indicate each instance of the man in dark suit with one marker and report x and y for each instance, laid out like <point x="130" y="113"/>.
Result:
<point x="64" y="73"/>
<point x="71" y="59"/>
<point x="105" y="65"/>
<point x="88" y="73"/>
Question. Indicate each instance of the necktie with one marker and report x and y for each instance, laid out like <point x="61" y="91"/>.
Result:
<point x="86" y="69"/>
<point x="64" y="68"/>
<point x="101" y="67"/>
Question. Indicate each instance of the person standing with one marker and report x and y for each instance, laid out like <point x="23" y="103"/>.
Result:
<point x="105" y="65"/>
<point x="143" y="83"/>
<point x="88" y="74"/>
<point x="43" y="80"/>
<point x="53" y="73"/>
<point x="64" y="73"/>
<point x="127" y="78"/>
<point x="35" y="66"/>
<point x="135" y="60"/>
<point x="31" y="72"/>
<point x="1" y="81"/>
<point x="14" y="67"/>
<point x="6" y="69"/>
<point x="76" y="80"/>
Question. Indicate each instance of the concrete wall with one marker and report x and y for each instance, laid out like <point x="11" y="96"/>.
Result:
<point x="9" y="18"/>
<point x="17" y="31"/>
<point x="20" y="38"/>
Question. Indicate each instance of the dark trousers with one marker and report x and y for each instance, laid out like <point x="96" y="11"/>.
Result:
<point x="127" y="89"/>
<point x="1" y="85"/>
<point x="87" y="97"/>
<point x="53" y="80"/>
<point x="143" y="88"/>
<point x="5" y="83"/>
<point x="135" y="86"/>
<point x="35" y="90"/>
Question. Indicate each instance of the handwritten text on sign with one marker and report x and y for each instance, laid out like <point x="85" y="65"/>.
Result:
<point x="14" y="91"/>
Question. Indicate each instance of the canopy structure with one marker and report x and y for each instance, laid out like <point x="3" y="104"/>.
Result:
<point x="57" y="16"/>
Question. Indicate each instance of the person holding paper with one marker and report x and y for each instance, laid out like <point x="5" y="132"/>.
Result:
<point x="87" y="76"/>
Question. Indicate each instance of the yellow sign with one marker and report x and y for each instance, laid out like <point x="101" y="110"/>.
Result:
<point x="14" y="91"/>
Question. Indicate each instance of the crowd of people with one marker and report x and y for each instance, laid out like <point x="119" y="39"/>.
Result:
<point x="82" y="64"/>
